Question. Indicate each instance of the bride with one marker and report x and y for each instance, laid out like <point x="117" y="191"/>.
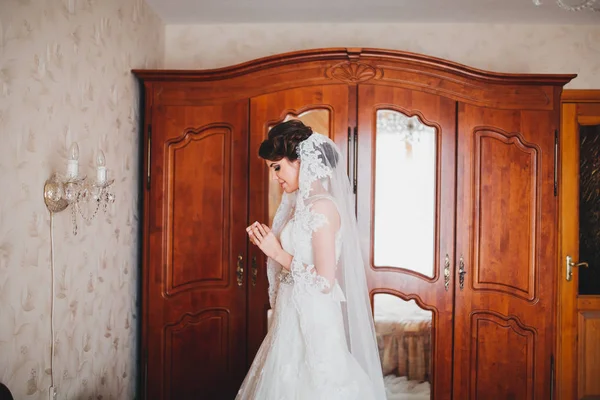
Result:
<point x="321" y="340"/>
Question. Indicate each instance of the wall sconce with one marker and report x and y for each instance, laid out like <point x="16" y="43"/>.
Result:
<point x="72" y="189"/>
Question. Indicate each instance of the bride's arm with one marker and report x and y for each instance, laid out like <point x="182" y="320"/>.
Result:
<point x="261" y="236"/>
<point x="325" y="225"/>
<point x="323" y="240"/>
<point x="284" y="259"/>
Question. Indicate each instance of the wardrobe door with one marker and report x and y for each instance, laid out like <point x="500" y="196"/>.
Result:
<point x="194" y="283"/>
<point x="325" y="109"/>
<point x="405" y="200"/>
<point x="505" y="254"/>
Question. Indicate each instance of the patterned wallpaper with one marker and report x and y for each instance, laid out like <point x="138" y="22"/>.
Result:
<point x="65" y="76"/>
<point x="501" y="48"/>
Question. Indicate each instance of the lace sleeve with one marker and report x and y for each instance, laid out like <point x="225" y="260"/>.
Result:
<point x="322" y="223"/>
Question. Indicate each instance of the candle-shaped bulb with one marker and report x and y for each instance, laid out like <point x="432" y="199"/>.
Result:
<point x="74" y="152"/>
<point x="100" y="167"/>
<point x="100" y="160"/>
<point x="73" y="162"/>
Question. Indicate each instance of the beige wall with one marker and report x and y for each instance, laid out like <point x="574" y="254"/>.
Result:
<point x="65" y="76"/>
<point x="502" y="48"/>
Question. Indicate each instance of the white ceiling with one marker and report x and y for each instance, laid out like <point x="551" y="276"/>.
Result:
<point x="339" y="11"/>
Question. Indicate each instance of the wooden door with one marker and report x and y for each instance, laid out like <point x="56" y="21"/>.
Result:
<point x="578" y="353"/>
<point x="325" y="109"/>
<point x="505" y="254"/>
<point x="194" y="291"/>
<point x="405" y="209"/>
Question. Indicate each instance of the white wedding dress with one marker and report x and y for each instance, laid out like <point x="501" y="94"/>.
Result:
<point x="304" y="355"/>
<point x="321" y="339"/>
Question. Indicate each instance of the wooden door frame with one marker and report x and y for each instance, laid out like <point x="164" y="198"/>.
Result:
<point x="571" y="119"/>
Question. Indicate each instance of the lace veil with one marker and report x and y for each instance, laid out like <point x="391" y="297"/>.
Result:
<point x="322" y="209"/>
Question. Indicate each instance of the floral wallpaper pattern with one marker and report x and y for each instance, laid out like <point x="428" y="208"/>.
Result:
<point x="65" y="76"/>
<point x="502" y="48"/>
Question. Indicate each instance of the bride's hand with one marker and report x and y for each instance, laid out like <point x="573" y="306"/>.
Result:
<point x="261" y="236"/>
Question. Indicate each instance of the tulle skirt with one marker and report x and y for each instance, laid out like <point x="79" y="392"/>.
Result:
<point x="304" y="355"/>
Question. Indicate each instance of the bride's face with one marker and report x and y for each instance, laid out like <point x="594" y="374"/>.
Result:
<point x="285" y="172"/>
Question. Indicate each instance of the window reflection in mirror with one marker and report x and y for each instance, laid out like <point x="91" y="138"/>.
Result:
<point x="405" y="193"/>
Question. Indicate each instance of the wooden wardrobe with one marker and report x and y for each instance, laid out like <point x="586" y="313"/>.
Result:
<point x="455" y="178"/>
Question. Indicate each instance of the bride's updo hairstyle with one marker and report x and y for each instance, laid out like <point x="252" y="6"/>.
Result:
<point x="283" y="141"/>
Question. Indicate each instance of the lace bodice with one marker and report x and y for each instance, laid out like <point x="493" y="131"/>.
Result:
<point x="288" y="245"/>
<point x="313" y="237"/>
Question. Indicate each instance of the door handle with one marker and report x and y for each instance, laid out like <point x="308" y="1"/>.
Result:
<point x="446" y="272"/>
<point x="240" y="270"/>
<point x="254" y="271"/>
<point x="571" y="264"/>
<point x="461" y="273"/>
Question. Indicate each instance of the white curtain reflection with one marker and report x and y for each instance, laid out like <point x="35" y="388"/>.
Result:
<point x="404" y="193"/>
